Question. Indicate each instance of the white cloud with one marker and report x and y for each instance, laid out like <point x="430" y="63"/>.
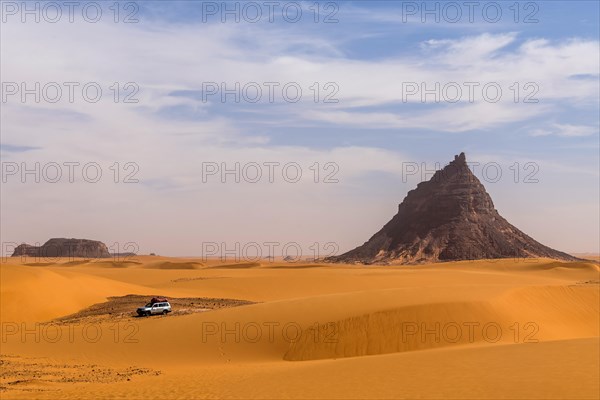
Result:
<point x="472" y="48"/>
<point x="566" y="130"/>
<point x="163" y="59"/>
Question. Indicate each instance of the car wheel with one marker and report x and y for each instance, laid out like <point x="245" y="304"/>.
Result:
<point x="165" y="312"/>
<point x="148" y="313"/>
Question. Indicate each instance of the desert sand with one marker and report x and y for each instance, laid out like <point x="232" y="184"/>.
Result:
<point x="474" y="329"/>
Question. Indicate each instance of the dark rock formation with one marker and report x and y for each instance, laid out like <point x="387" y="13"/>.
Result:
<point x="450" y="217"/>
<point x="64" y="248"/>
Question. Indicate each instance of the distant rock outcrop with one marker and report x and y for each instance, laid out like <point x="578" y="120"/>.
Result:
<point x="58" y="247"/>
<point x="450" y="217"/>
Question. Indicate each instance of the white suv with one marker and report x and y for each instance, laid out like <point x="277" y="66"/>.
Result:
<point x="154" y="308"/>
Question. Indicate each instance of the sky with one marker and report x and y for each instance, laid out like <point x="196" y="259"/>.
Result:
<point x="210" y="128"/>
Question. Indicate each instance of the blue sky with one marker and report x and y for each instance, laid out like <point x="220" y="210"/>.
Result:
<point x="370" y="55"/>
<point x="366" y="31"/>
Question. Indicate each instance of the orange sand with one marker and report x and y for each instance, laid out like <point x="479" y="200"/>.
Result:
<point x="482" y="329"/>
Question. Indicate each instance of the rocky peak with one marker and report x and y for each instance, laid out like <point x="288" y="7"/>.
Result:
<point x="449" y="217"/>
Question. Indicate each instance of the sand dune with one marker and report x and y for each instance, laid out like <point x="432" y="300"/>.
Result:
<point x="484" y="329"/>
<point x="173" y="265"/>
<point x="562" y="312"/>
<point x="42" y="293"/>
<point x="237" y="265"/>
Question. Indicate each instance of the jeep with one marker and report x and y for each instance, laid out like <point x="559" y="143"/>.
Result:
<point x="154" y="308"/>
